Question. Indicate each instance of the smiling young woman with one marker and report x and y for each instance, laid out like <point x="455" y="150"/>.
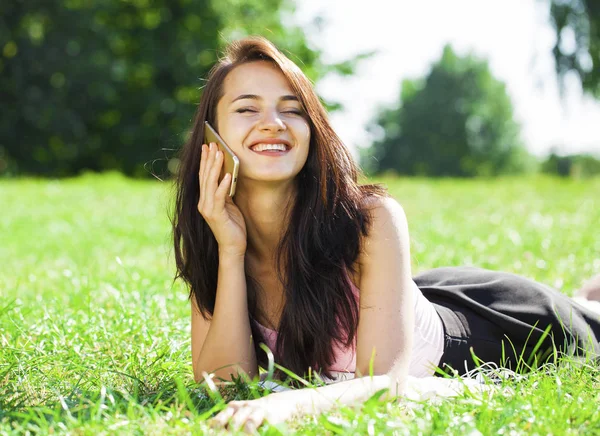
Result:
<point x="318" y="267"/>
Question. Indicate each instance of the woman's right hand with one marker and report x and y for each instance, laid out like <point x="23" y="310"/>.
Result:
<point x="216" y="206"/>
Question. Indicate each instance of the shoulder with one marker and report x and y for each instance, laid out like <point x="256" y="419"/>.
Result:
<point x="386" y="299"/>
<point x="387" y="232"/>
<point x="385" y="213"/>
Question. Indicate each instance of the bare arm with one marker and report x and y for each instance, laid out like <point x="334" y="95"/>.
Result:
<point x="278" y="407"/>
<point x="386" y="322"/>
<point x="223" y="344"/>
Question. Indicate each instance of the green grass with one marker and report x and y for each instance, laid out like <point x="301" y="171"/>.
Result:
<point x="94" y="336"/>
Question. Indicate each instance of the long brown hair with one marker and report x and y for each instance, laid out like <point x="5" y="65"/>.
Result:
<point x="321" y="244"/>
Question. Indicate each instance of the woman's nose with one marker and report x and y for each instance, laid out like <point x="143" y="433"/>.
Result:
<point x="272" y="121"/>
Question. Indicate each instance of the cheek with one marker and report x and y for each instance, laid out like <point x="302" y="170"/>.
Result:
<point x="306" y="142"/>
<point x="304" y="132"/>
<point x="232" y="133"/>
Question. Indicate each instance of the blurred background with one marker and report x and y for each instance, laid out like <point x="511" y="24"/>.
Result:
<point x="431" y="88"/>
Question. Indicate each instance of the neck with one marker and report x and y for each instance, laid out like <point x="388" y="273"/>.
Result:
<point x="264" y="207"/>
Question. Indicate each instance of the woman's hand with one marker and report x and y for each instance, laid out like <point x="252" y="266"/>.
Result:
<point x="216" y="206"/>
<point x="249" y="415"/>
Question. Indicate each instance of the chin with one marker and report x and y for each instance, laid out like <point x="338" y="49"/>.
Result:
<point x="272" y="174"/>
<point x="272" y="177"/>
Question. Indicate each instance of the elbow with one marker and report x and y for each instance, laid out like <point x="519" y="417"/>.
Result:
<point x="213" y="378"/>
<point x="202" y="375"/>
<point x="223" y="375"/>
<point x="398" y="376"/>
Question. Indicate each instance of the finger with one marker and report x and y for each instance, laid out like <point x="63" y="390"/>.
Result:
<point x="222" y="192"/>
<point x="201" y="176"/>
<point x="209" y="157"/>
<point x="254" y="421"/>
<point x="212" y="180"/>
<point x="223" y="417"/>
<point x="208" y="188"/>
<point x="240" y="417"/>
<point x="202" y="169"/>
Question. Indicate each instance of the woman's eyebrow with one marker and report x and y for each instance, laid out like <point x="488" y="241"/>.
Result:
<point x="256" y="97"/>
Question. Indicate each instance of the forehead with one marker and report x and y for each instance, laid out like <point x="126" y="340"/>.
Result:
<point x="259" y="78"/>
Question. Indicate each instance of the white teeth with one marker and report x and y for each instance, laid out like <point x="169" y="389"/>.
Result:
<point x="263" y="147"/>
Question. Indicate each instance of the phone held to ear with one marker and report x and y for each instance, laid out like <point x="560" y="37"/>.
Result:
<point x="231" y="163"/>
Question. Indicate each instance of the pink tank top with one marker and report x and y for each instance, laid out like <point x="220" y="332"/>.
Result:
<point x="428" y="342"/>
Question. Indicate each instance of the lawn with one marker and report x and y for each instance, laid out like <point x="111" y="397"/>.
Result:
<point x="94" y="334"/>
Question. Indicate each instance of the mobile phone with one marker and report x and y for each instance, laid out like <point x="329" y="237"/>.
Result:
<point x="231" y="163"/>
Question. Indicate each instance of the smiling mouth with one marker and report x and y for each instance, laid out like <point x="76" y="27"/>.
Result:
<point x="269" y="148"/>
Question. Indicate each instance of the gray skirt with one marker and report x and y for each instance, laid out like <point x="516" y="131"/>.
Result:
<point x="506" y="319"/>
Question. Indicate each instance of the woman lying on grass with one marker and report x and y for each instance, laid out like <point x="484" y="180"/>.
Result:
<point x="305" y="260"/>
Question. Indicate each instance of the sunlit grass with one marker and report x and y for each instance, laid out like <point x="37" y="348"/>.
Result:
<point x="94" y="336"/>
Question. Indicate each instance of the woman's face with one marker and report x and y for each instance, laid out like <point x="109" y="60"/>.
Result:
<point x="262" y="121"/>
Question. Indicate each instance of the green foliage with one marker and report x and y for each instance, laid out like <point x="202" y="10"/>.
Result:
<point x="577" y="47"/>
<point x="113" y="84"/>
<point x="457" y="121"/>
<point x="576" y="165"/>
<point x="94" y="336"/>
<point x="100" y="85"/>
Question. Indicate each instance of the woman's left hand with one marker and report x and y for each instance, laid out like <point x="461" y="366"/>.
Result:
<point x="251" y="414"/>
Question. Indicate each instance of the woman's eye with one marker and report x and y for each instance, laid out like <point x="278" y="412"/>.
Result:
<point x="286" y="111"/>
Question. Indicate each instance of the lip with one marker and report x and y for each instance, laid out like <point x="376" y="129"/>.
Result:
<point x="271" y="141"/>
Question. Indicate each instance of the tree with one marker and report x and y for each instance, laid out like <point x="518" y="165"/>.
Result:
<point x="457" y="121"/>
<point x="579" y="166"/>
<point x="99" y="85"/>
<point x="577" y="22"/>
<point x="113" y="84"/>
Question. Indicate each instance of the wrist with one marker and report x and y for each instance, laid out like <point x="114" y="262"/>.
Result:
<point x="227" y="255"/>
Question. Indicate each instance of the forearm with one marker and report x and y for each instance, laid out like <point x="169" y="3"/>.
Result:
<point x="228" y="346"/>
<point x="324" y="398"/>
